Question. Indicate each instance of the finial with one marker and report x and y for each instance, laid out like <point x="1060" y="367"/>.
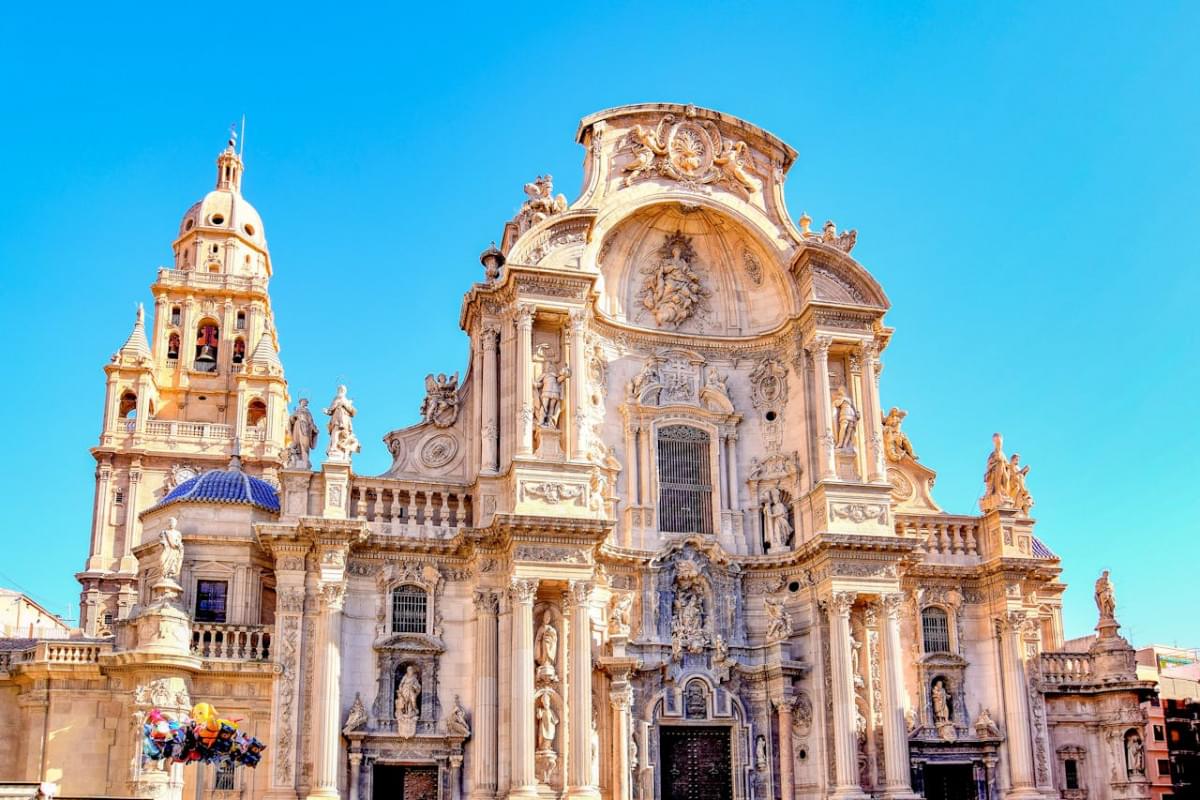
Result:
<point x="141" y="314"/>
<point x="232" y="143"/>
<point x="805" y="222"/>
<point x="235" y="458"/>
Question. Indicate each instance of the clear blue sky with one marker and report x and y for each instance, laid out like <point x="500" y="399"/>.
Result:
<point x="1023" y="178"/>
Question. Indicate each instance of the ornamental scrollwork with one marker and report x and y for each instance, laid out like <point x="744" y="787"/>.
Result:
<point x="691" y="152"/>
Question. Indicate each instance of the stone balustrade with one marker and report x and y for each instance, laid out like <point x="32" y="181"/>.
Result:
<point x="409" y="508"/>
<point x="231" y="642"/>
<point x="219" y="280"/>
<point x="55" y="651"/>
<point x="1067" y="668"/>
<point x="942" y="535"/>
<point x="179" y="429"/>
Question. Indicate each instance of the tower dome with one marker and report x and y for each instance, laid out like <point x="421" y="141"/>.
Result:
<point x="225" y="487"/>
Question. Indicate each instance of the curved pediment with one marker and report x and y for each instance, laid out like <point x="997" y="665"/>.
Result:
<point x="415" y="643"/>
<point x="829" y="275"/>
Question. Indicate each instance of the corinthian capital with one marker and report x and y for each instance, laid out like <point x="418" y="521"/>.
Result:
<point x="524" y="316"/>
<point x="486" y="602"/>
<point x="333" y="595"/>
<point x="522" y="591"/>
<point x="841" y="603"/>
<point x="579" y="592"/>
<point x="819" y="347"/>
<point x="892" y="604"/>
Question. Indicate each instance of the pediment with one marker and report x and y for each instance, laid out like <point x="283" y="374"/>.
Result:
<point x="414" y="643"/>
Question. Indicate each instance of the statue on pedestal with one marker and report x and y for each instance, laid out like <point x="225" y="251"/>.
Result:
<point x="845" y="417"/>
<point x="895" y="441"/>
<point x="456" y="724"/>
<point x="342" y="441"/>
<point x="303" y="431"/>
<point x="170" y="561"/>
<point x="778" y="533"/>
<point x="548" y="388"/>
<point x="547" y="724"/>
<point x="408" y="702"/>
<point x="545" y="649"/>
<point x="1106" y="598"/>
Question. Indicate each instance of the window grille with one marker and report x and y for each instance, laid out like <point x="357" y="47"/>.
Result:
<point x="224" y="778"/>
<point x="936" y="629"/>
<point x="684" y="480"/>
<point x="1071" y="769"/>
<point x="210" y="601"/>
<point x="408" y="609"/>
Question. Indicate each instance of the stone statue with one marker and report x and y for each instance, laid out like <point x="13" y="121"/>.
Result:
<point x="687" y="612"/>
<point x="342" y="441"/>
<point x="895" y="441"/>
<point x="1135" y="754"/>
<point x="671" y="289"/>
<point x="440" y="406"/>
<point x="941" y="703"/>
<point x="408" y="694"/>
<point x="996" y="477"/>
<point x="779" y="622"/>
<point x="633" y="754"/>
<point x="548" y="389"/>
<point x="357" y="718"/>
<point x="985" y="726"/>
<point x="1016" y="484"/>
<point x="595" y="750"/>
<point x="648" y="376"/>
<point x="303" y="431"/>
<point x="910" y="720"/>
<point x="1106" y="599"/>
<point x="547" y="724"/>
<point x="545" y="648"/>
<point x="731" y="160"/>
<point x="845" y="417"/>
<point x="456" y="724"/>
<point x="775" y="517"/>
<point x="761" y="762"/>
<point x="540" y="203"/>
<point x="855" y="647"/>
<point x="619" y="611"/>
<point x="170" y="560"/>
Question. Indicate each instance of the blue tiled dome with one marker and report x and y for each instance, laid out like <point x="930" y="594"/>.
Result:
<point x="226" y="486"/>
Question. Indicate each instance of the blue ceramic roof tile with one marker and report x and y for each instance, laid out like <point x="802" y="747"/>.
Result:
<point x="1040" y="550"/>
<point x="225" y="486"/>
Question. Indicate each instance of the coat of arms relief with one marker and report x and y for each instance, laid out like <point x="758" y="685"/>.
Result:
<point x="691" y="152"/>
<point x="673" y="289"/>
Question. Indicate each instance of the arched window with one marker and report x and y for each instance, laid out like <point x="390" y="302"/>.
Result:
<point x="409" y="609"/>
<point x="935" y="630"/>
<point x="173" y="346"/>
<point x="255" y="412"/>
<point x="128" y="407"/>
<point x="208" y="339"/>
<point x="239" y="350"/>
<point x="684" y="480"/>
<point x="175" y="313"/>
<point x="241" y="321"/>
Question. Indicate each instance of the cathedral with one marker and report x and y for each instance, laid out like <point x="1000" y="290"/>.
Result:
<point x="659" y="538"/>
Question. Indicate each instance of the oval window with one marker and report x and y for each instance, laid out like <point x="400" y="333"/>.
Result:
<point x="188" y="225"/>
<point x="218" y="219"/>
<point x="249" y="229"/>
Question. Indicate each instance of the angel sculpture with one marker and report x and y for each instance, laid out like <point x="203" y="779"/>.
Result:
<point x="440" y="405"/>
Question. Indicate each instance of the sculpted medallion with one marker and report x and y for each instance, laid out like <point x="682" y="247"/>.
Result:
<point x="689" y="151"/>
<point x="672" y="289"/>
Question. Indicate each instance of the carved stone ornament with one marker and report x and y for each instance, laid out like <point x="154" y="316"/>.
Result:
<point x="540" y="203"/>
<point x="689" y="151"/>
<point x="356" y="719"/>
<point x="439" y="451"/>
<point x="860" y="512"/>
<point x="768" y="384"/>
<point x="342" y="441"/>
<point x="753" y="267"/>
<point x="440" y="406"/>
<point x="779" y="621"/>
<point x="673" y="289"/>
<point x="554" y="493"/>
<point x="829" y="235"/>
<point x="896" y="445"/>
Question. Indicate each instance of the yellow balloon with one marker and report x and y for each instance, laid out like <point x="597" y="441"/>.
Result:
<point x="203" y="714"/>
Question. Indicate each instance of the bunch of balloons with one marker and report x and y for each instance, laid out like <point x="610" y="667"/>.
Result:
<point x="202" y="737"/>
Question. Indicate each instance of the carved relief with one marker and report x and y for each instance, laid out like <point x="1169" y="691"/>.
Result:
<point x="860" y="512"/>
<point x="440" y="406"/>
<point x="554" y="493"/>
<point x="768" y="384"/>
<point x="540" y="203"/>
<point x="753" y="268"/>
<point x="673" y="288"/>
<point x="439" y="450"/>
<point x="691" y="152"/>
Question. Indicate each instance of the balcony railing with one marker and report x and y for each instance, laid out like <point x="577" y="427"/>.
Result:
<point x="231" y="642"/>
<point x="55" y="652"/>
<point x="216" y="280"/>
<point x="942" y="535"/>
<point x="407" y="508"/>
<point x="1067" y="668"/>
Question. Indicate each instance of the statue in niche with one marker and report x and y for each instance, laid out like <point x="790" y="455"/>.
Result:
<point x="695" y="701"/>
<point x="1135" y="754"/>
<point x="357" y="718"/>
<point x="303" y="431"/>
<point x="996" y="475"/>
<point x="547" y="723"/>
<point x="440" y="405"/>
<point x="845" y="419"/>
<point x="671" y="289"/>
<point x="717" y="382"/>
<point x="722" y="664"/>
<point x="170" y="560"/>
<point x="456" y="723"/>
<point x="855" y="647"/>
<point x="761" y="761"/>
<point x="775" y="518"/>
<point x="779" y="622"/>
<point x="1106" y="598"/>
<point x="595" y="750"/>
<point x="408" y="694"/>
<point x="342" y="441"/>
<point x="941" y="702"/>
<point x="687" y="612"/>
<point x="895" y="441"/>
<point x="548" y="388"/>
<point x="619" y="614"/>
<point x="1016" y="477"/>
<point x="545" y="648"/>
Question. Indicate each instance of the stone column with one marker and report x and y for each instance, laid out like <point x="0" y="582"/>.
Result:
<point x="872" y="413"/>
<point x="524" y="377"/>
<point x="128" y="562"/>
<point x="455" y="777"/>
<point x="845" y="744"/>
<point x="787" y="779"/>
<point x="327" y="733"/>
<point x="621" y="698"/>
<point x="99" y="517"/>
<point x="895" y="732"/>
<point x="1016" y="710"/>
<point x="579" y="763"/>
<point x="819" y="350"/>
<point x="491" y="421"/>
<point x="286" y="646"/>
<point x="355" y="771"/>
<point x="731" y="473"/>
<point x="524" y="775"/>
<point x="579" y="385"/>
<point x="484" y="756"/>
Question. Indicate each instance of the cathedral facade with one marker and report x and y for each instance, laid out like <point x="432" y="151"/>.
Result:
<point x="662" y="539"/>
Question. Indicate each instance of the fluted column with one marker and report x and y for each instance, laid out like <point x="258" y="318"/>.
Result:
<point x="524" y="373"/>
<point x="731" y="473"/>
<point x="845" y="744"/>
<point x="578" y="384"/>
<point x="579" y="765"/>
<point x="128" y="562"/>
<point x="490" y="399"/>
<point x="100" y="516"/>
<point x="897" y="778"/>
<point x="327" y="698"/>
<point x="355" y="771"/>
<point x="621" y="698"/>
<point x="484" y="757"/>
<point x="524" y="775"/>
<point x="787" y="779"/>
<point x="872" y="411"/>
<point x="819" y="349"/>
<point x="1016" y="710"/>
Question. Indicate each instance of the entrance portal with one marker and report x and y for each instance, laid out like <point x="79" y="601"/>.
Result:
<point x="404" y="782"/>
<point x="695" y="763"/>
<point x="949" y="782"/>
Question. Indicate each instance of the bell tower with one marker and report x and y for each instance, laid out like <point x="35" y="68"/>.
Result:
<point x="201" y="383"/>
